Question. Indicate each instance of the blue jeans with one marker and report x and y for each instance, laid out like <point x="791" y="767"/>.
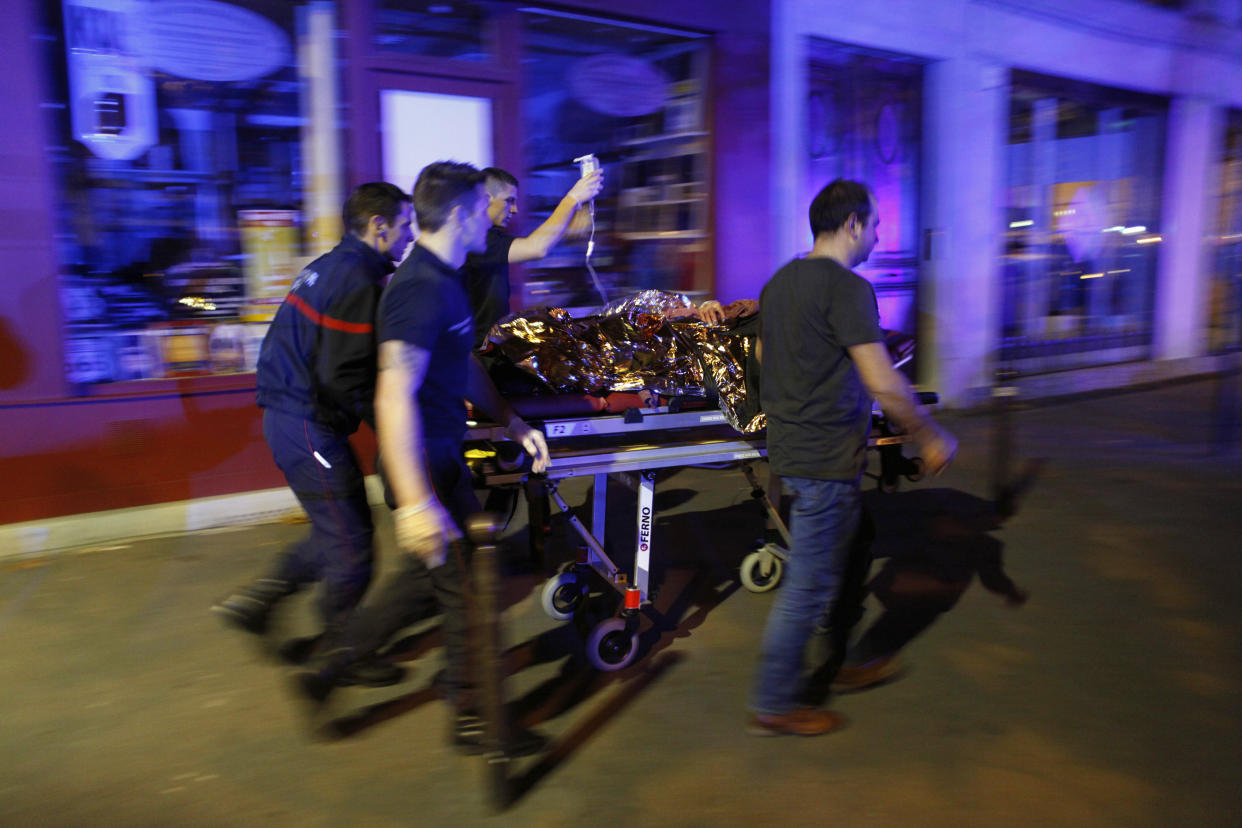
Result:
<point x="824" y="520"/>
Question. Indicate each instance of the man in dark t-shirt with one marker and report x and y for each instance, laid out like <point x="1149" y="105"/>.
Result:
<point x="487" y="272"/>
<point x="426" y="370"/>
<point x="824" y="360"/>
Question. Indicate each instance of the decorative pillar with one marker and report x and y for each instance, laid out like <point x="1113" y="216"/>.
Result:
<point x="1184" y="271"/>
<point x="965" y="128"/>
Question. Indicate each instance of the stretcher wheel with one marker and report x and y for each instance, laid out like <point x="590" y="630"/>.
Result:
<point x="761" y="570"/>
<point x="919" y="467"/>
<point x="887" y="485"/>
<point x="562" y="595"/>
<point x="611" y="646"/>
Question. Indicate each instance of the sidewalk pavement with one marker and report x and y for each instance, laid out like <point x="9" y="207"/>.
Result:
<point x="1080" y="665"/>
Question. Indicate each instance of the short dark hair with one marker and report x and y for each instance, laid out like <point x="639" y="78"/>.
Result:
<point x="440" y="186"/>
<point x="836" y="202"/>
<point x="497" y="174"/>
<point x="375" y="198"/>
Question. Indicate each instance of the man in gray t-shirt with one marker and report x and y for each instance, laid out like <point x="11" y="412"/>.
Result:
<point x="824" y="360"/>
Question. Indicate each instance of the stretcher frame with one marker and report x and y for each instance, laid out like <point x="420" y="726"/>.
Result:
<point x="613" y="643"/>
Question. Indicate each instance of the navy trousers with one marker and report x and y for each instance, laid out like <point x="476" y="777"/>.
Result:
<point x="324" y="474"/>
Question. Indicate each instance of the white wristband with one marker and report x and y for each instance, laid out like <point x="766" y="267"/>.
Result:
<point x="406" y="511"/>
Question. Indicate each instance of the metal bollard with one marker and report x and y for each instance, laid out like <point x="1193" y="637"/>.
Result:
<point x="1225" y="414"/>
<point x="1004" y="397"/>
<point x="483" y="529"/>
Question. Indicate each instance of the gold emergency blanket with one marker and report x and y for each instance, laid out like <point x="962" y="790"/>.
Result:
<point x="632" y="347"/>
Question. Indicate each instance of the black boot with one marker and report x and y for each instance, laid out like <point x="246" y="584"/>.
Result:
<point x="372" y="672"/>
<point x="323" y="675"/>
<point x="250" y="607"/>
<point x="368" y="672"/>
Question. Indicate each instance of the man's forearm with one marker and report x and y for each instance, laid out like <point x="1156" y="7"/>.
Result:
<point x="544" y="238"/>
<point x="891" y="389"/>
<point x="400" y="444"/>
<point x="902" y="406"/>
<point x="397" y="423"/>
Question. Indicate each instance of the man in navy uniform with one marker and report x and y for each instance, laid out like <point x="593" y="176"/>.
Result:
<point x="316" y="383"/>
<point x="426" y="371"/>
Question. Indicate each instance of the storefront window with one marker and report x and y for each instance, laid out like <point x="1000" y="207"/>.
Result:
<point x="182" y="143"/>
<point x="1082" y="224"/>
<point x="863" y="117"/>
<point x="633" y="96"/>
<point x="437" y="29"/>
<point x="1225" y="332"/>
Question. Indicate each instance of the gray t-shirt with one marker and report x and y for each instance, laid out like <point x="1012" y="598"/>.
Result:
<point x="818" y="410"/>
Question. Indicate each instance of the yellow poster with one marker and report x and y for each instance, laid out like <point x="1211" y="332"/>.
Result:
<point x="269" y="241"/>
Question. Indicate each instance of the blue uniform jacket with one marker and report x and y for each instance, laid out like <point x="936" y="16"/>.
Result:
<point x="318" y="358"/>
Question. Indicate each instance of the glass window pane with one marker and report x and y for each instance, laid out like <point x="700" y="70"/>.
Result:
<point x="1226" y="301"/>
<point x="435" y="29"/>
<point x="1082" y="224"/>
<point x="633" y="96"/>
<point x="863" y="121"/>
<point x="463" y="132"/>
<point x="180" y="150"/>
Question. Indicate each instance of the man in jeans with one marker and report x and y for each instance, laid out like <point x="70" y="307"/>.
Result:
<point x="824" y="360"/>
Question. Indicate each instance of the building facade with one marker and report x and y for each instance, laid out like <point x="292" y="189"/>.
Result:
<point x="1058" y="182"/>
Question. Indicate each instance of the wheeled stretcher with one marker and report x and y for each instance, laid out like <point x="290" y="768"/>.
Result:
<point x="632" y="444"/>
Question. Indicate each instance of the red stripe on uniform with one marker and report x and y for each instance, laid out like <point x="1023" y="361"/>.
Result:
<point x="325" y="320"/>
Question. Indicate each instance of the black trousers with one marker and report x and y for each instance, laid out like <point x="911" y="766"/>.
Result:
<point x="415" y="592"/>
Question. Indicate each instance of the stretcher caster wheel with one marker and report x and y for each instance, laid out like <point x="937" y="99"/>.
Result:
<point x="919" y="467"/>
<point x="562" y="595"/>
<point x="761" y="570"/>
<point x="887" y="485"/>
<point x="611" y="646"/>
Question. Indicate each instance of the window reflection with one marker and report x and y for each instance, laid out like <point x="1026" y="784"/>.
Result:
<point x="1082" y="224"/>
<point x="1225" y="332"/>
<point x="452" y="29"/>
<point x="633" y="96"/>
<point x="863" y="122"/>
<point x="179" y="159"/>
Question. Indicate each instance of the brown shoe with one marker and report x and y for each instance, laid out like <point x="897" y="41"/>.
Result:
<point x="801" y="721"/>
<point x="860" y="677"/>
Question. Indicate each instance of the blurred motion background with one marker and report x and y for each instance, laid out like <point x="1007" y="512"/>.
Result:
<point x="1058" y="182"/>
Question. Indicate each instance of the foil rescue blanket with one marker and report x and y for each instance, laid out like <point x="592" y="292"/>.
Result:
<point x="634" y="346"/>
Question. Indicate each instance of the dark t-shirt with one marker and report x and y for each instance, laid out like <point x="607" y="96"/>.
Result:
<point x="818" y="410"/>
<point x="487" y="282"/>
<point x="425" y="305"/>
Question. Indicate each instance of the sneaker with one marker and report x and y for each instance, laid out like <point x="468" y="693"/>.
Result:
<point x="801" y="721"/>
<point x="852" y="678"/>
<point x="372" y="672"/>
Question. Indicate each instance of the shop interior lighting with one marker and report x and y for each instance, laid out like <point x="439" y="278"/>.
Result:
<point x="1023" y="223"/>
<point x="1150" y="239"/>
<point x="1133" y="231"/>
